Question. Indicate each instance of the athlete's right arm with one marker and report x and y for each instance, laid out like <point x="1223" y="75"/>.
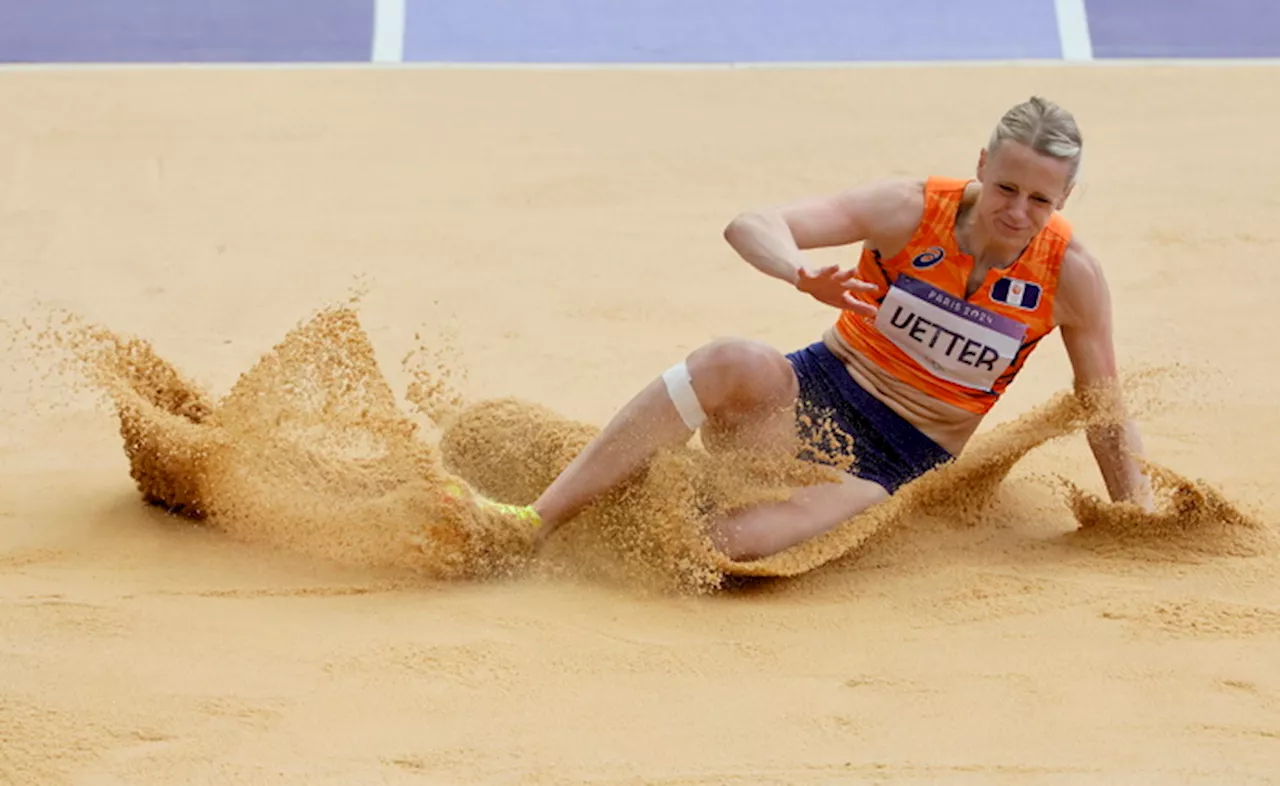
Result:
<point x="774" y="239"/>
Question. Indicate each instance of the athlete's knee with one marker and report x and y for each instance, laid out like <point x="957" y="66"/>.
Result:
<point x="730" y="376"/>
<point x="743" y="375"/>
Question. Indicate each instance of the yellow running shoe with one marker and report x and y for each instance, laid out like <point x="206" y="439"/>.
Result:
<point x="523" y="513"/>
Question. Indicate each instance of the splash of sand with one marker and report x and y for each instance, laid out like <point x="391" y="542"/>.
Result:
<point x="654" y="524"/>
<point x="1194" y="522"/>
<point x="308" y="452"/>
<point x="311" y="452"/>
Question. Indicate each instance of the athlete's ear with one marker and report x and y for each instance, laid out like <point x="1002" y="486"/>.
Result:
<point x="982" y="163"/>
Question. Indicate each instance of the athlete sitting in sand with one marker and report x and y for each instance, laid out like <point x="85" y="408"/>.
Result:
<point x="957" y="283"/>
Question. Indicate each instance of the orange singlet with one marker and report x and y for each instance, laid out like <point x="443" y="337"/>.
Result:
<point x="960" y="350"/>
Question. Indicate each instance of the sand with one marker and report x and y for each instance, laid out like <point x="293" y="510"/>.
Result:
<point x="255" y="323"/>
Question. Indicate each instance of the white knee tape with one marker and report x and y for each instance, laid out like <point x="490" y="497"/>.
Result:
<point x="680" y="389"/>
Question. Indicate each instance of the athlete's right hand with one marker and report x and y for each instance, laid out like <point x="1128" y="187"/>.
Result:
<point x="836" y="288"/>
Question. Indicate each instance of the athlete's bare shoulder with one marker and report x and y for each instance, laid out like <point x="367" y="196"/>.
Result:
<point x="1083" y="296"/>
<point x="899" y="208"/>
<point x="893" y="207"/>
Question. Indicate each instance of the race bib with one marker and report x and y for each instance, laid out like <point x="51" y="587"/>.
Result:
<point x="951" y="338"/>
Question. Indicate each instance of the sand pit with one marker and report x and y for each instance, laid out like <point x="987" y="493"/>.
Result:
<point x="225" y="554"/>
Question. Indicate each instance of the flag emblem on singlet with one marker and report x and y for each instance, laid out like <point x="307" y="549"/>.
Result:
<point x="1017" y="293"/>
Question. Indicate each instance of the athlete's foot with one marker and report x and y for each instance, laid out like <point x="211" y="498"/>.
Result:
<point x="524" y="515"/>
<point x="466" y="534"/>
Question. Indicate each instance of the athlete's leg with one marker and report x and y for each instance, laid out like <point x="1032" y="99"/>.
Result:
<point x="767" y="529"/>
<point x="734" y="387"/>
<point x="890" y="452"/>
<point x="740" y="394"/>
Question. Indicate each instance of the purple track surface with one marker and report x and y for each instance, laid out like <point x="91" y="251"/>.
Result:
<point x="112" y="31"/>
<point x="728" y="30"/>
<point x="1185" y="28"/>
<point x="556" y="31"/>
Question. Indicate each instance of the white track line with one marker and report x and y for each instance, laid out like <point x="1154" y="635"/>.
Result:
<point x="388" y="31"/>
<point x="1073" y="30"/>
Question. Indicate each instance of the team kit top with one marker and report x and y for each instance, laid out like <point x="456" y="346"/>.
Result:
<point x="960" y="350"/>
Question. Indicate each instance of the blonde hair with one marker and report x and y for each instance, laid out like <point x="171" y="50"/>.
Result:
<point x="1043" y="126"/>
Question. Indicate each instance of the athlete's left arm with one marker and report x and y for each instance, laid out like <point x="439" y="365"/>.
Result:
<point x="1083" y="312"/>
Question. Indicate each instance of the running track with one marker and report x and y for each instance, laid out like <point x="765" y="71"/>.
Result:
<point x="631" y="31"/>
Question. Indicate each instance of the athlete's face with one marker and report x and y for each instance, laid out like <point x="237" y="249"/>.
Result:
<point x="1020" y="191"/>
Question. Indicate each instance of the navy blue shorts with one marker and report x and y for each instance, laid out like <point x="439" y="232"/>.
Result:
<point x="884" y="447"/>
